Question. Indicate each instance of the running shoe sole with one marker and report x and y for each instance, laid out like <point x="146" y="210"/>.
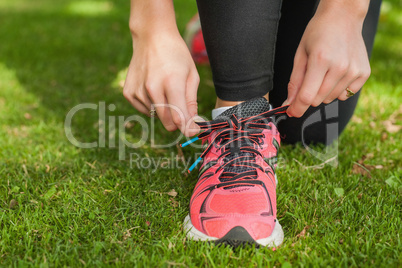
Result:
<point x="237" y="236"/>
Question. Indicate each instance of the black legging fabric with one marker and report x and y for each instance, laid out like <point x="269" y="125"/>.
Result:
<point x="251" y="46"/>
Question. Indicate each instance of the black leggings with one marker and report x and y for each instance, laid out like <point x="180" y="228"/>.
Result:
<point x="249" y="40"/>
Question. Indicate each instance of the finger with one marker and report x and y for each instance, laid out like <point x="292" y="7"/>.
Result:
<point x="142" y="104"/>
<point x="144" y="99"/>
<point x="191" y="99"/>
<point x="296" y="78"/>
<point x="355" y="86"/>
<point x="338" y="89"/>
<point x="312" y="82"/>
<point x="193" y="81"/>
<point x="162" y="108"/>
<point x="331" y="79"/>
<point x="358" y="76"/>
<point x="160" y="104"/>
<point x="138" y="105"/>
<point x="176" y="97"/>
<point x="352" y="76"/>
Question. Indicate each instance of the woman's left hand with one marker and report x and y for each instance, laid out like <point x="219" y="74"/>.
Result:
<point x="331" y="57"/>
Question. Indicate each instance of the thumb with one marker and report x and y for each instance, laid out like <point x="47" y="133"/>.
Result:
<point x="193" y="81"/>
<point x="297" y="76"/>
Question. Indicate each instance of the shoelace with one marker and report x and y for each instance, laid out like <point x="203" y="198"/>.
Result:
<point x="238" y="137"/>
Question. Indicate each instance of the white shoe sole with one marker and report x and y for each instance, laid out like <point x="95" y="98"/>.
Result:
<point x="274" y="240"/>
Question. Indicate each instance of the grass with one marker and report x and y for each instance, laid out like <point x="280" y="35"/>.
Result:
<point x="84" y="207"/>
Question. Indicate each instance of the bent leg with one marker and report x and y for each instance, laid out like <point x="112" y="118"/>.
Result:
<point x="240" y="38"/>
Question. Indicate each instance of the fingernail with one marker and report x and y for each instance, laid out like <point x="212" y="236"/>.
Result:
<point x="198" y="119"/>
<point x="286" y="102"/>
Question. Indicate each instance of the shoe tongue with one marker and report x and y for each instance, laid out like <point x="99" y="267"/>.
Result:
<point x="246" y="109"/>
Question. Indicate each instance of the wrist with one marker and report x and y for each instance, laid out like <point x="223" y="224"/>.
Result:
<point x="354" y="11"/>
<point x="149" y="18"/>
<point x="155" y="38"/>
<point x="150" y="32"/>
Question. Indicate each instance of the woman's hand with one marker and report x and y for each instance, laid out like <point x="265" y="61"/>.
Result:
<point x="162" y="76"/>
<point x="331" y="57"/>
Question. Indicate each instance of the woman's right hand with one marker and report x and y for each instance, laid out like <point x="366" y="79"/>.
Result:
<point x="162" y="76"/>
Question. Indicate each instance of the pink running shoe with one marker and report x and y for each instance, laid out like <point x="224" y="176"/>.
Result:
<point x="234" y="201"/>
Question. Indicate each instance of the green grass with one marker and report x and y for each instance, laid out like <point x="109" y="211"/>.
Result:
<point x="79" y="207"/>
